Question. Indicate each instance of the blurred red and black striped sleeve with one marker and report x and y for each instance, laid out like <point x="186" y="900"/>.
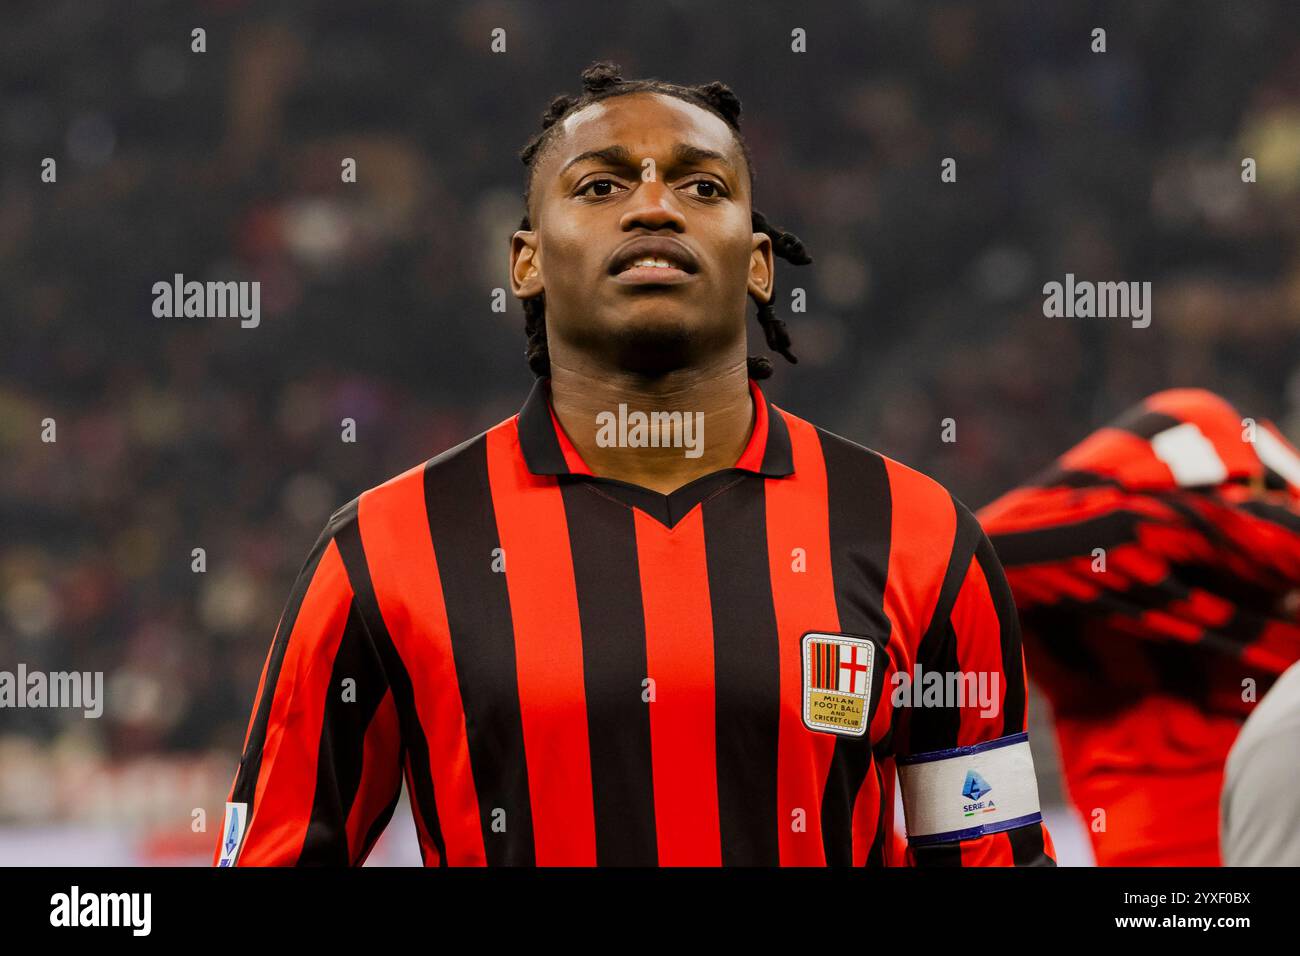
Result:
<point x="321" y="766"/>
<point x="1193" y="567"/>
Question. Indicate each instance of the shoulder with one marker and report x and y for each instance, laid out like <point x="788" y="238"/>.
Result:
<point x="920" y="508"/>
<point x="923" y="538"/>
<point x="454" y="473"/>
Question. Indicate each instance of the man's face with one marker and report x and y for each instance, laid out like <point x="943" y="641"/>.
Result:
<point x="643" y="178"/>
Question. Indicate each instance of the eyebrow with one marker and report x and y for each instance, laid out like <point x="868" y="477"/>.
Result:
<point x="684" y="154"/>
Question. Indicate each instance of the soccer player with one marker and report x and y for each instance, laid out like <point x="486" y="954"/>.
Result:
<point x="652" y="619"/>
<point x="1155" y="566"/>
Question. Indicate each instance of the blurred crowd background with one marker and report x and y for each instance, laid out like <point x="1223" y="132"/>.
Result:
<point x="924" y="300"/>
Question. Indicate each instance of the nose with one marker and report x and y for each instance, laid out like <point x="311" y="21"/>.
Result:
<point x="653" y="206"/>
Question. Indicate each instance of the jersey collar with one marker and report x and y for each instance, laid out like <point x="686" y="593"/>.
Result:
<point x="547" y="449"/>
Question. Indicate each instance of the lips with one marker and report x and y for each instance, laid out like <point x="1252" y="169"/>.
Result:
<point x="650" y="255"/>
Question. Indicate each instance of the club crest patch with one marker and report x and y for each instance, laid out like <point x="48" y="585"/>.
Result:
<point x="837" y="672"/>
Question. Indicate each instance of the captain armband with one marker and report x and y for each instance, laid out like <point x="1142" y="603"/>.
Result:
<point x="969" y="792"/>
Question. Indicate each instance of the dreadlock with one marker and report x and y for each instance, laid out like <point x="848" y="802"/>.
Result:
<point x="601" y="81"/>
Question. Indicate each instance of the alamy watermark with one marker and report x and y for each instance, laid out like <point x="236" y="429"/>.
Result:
<point x="932" y="688"/>
<point x="651" y="430"/>
<point x="208" y="300"/>
<point x="1102" y="300"/>
<point x="130" y="910"/>
<point x="57" y="689"/>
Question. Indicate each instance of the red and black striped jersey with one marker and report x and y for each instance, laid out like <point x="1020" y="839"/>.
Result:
<point x="573" y="670"/>
<point x="1158" y="555"/>
<point x="1153" y="565"/>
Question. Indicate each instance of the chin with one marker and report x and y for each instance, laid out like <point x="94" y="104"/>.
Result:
<point x="655" y="345"/>
<point x="651" y="338"/>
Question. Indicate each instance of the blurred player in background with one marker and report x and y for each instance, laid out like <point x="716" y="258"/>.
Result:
<point x="1155" y="566"/>
<point x="1259" y="813"/>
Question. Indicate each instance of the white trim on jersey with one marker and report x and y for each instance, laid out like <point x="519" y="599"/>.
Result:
<point x="1191" y="456"/>
<point x="1277" y="455"/>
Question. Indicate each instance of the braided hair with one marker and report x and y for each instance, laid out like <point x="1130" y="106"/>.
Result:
<point x="601" y="81"/>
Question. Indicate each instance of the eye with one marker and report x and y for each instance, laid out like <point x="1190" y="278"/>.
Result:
<point x="606" y="184"/>
<point x="713" y="189"/>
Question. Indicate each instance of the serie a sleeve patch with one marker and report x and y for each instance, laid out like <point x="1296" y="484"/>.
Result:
<point x="232" y="833"/>
<point x="969" y="792"/>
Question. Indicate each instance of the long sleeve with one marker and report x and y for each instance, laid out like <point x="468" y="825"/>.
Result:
<point x="320" y="772"/>
<point x="970" y="795"/>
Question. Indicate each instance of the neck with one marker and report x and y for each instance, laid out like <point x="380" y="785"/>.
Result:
<point x="706" y="416"/>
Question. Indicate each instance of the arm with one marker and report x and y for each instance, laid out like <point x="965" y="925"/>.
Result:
<point x="1164" y="537"/>
<point x="321" y="769"/>
<point x="970" y="796"/>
